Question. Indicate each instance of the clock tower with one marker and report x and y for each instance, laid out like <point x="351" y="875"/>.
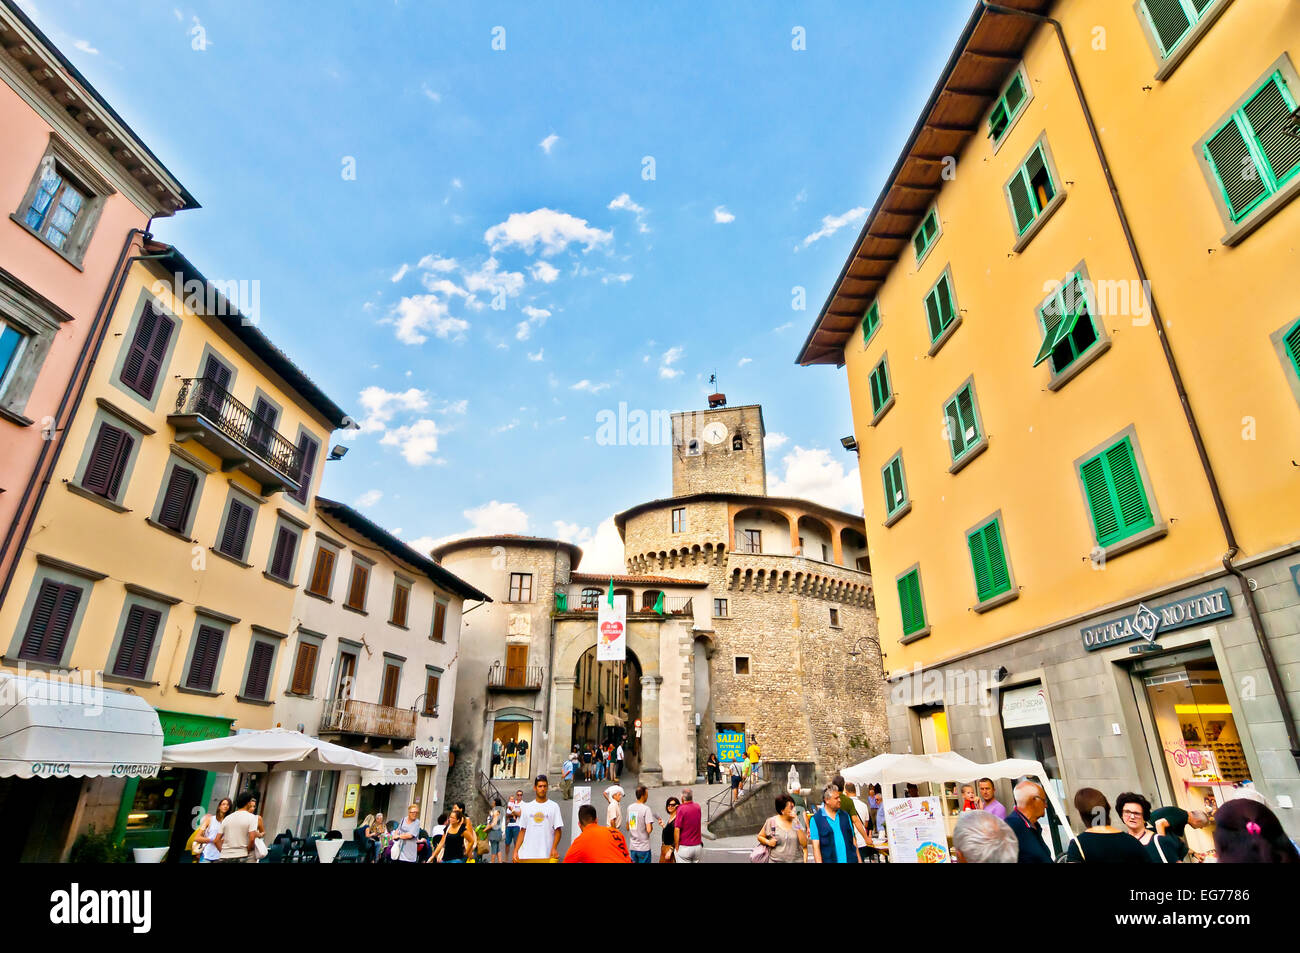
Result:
<point x="719" y="450"/>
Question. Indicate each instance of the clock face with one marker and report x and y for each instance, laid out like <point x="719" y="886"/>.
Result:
<point x="715" y="432"/>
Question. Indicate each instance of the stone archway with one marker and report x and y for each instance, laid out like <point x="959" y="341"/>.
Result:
<point x="606" y="705"/>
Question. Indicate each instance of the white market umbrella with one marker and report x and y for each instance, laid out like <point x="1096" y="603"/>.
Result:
<point x="275" y="748"/>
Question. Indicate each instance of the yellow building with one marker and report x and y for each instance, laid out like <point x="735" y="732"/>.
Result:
<point x="166" y="547"/>
<point x="1072" y="335"/>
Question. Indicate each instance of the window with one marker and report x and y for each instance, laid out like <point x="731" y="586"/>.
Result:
<point x="304" y="668"/>
<point x="835" y="618"/>
<point x="147" y="351"/>
<point x="1007" y="109"/>
<point x="910" y="602"/>
<point x="260" y="662"/>
<point x="649" y="598"/>
<point x="177" y="504"/>
<point x="135" y="650"/>
<point x="308" y="449"/>
<point x="49" y="628"/>
<point x="882" y="395"/>
<point x="55" y="206"/>
<point x="940" y="309"/>
<point x="1171" y="21"/>
<point x="895" y="486"/>
<point x="742" y="664"/>
<point x="359" y="585"/>
<point x="13" y="341"/>
<point x="965" y="435"/>
<point x="431" y="678"/>
<point x="870" y="321"/>
<point x="1117" y="498"/>
<point x="590" y="598"/>
<point x="401" y="601"/>
<point x="439" y="621"/>
<point x="206" y="653"/>
<point x="1250" y="152"/>
<point x="392" y="678"/>
<point x="693" y="448"/>
<point x="720" y="608"/>
<point x="238" y="525"/>
<point x="322" y="572"/>
<point x="988" y="560"/>
<point x="924" y="238"/>
<point x="516" y="666"/>
<point x="1287" y="342"/>
<point x="750" y="541"/>
<point x="63" y="201"/>
<point x="679" y="519"/>
<point x="108" y="460"/>
<point x="738" y="442"/>
<point x="284" y="553"/>
<point x="521" y="587"/>
<point x="262" y="433"/>
<point x="1031" y="190"/>
<point x="1067" y="325"/>
<point x="1292" y="340"/>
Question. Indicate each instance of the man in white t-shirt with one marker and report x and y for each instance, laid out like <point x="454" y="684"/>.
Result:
<point x="614" y="812"/>
<point x="640" y="822"/>
<point x="540" y="826"/>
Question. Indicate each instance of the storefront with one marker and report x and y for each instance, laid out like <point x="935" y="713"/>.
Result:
<point x="1027" y="733"/>
<point x="164" y="810"/>
<point x="426" y="782"/>
<point x="389" y="790"/>
<point x="512" y="743"/>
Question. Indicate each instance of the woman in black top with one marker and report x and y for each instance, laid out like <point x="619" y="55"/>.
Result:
<point x="712" y="769"/>
<point x="457" y="840"/>
<point x="1101" y="843"/>
<point x="666" y="851"/>
<point x="1135" y="811"/>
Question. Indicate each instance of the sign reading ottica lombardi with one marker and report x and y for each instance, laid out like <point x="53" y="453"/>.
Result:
<point x="1145" y="623"/>
<point x="611" y="630"/>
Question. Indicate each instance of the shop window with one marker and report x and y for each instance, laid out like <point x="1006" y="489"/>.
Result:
<point x="512" y="739"/>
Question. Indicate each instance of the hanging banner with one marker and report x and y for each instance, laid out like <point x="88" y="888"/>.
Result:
<point x="611" y="630"/>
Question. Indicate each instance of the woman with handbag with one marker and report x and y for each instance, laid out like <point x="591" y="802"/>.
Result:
<point x="406" y="839"/>
<point x="666" y="851"/>
<point x="783" y="838"/>
<point x="458" y="840"/>
<point x="209" y="827"/>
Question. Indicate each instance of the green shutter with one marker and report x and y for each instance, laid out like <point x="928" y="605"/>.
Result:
<point x="970" y="427"/>
<point x="895" y="492"/>
<point x="932" y="312"/>
<point x="996" y="578"/>
<point x="1268" y="111"/>
<point x="1105" y="522"/>
<point x="998" y="121"/>
<point x="909" y="599"/>
<point x="979" y="560"/>
<point x="1022" y="203"/>
<point x="869" y="321"/>
<point x="1292" y="342"/>
<point x="1059" y="316"/>
<point x="1035" y="166"/>
<point x="954" y="429"/>
<point x="924" y="236"/>
<point x="1115" y="494"/>
<point x="1014" y="95"/>
<point x="1008" y="105"/>
<point x="1242" y="183"/>
<point x="1169" y="20"/>
<point x="879" y="388"/>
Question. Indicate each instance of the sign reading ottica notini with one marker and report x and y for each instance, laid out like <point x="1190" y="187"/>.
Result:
<point x="1145" y="623"/>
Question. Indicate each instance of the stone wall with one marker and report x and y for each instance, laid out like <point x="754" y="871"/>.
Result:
<point x="717" y="467"/>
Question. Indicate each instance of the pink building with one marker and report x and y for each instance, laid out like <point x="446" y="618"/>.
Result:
<point x="79" y="188"/>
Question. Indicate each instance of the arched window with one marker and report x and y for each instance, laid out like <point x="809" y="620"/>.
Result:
<point x="649" y="598"/>
<point x="590" y="596"/>
<point x="737" y="442"/>
<point x="631" y="598"/>
<point x="693" y="448"/>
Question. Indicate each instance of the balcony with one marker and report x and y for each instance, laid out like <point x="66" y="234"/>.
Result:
<point x="212" y="418"/>
<point x="673" y="606"/>
<point x="527" y="678"/>
<point x="346" y="716"/>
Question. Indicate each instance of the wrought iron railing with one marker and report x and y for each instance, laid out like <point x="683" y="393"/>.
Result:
<point x="349" y="716"/>
<point x="673" y="605"/>
<point x="525" y="677"/>
<point x="203" y="397"/>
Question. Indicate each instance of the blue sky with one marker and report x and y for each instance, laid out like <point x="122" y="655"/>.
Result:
<point x="505" y="262"/>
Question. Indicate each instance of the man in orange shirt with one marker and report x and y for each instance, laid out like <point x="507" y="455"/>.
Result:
<point x="596" y="844"/>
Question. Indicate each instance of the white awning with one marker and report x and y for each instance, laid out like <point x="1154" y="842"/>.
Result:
<point x="395" y="771"/>
<point x="60" y="729"/>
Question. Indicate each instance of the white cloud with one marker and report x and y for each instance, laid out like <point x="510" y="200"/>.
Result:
<point x="722" y="216"/>
<point x="536" y="318"/>
<point x="423" y="544"/>
<point x="553" y="230"/>
<point x="602" y="551"/>
<point x="85" y="47"/>
<point x="783" y="327"/>
<point x="370" y="498"/>
<point x="489" y="277"/>
<point x="538" y="356"/>
<point x="419" y="313"/>
<point x="622" y="279"/>
<point x="437" y="263"/>
<point x="816" y="475"/>
<point x="670" y="357"/>
<point x="774" y="441"/>
<point x="430" y="94"/>
<point x="624" y="201"/>
<point x="417" y="441"/>
<point x="538" y="315"/>
<point x="401" y="273"/>
<point x="455" y="407"/>
<point x="549" y="143"/>
<point x="801" y="197"/>
<point x="544" y="272"/>
<point x="589" y="387"/>
<point x="380" y="406"/>
<point x="496" y="517"/>
<point x="833" y="223"/>
<point x="744" y="360"/>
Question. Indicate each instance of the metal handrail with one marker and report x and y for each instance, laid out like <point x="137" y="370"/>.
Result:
<point x="203" y="397"/>
<point x="722" y="799"/>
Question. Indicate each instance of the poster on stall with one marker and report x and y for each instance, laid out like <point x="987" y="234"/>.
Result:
<point x="581" y="796"/>
<point x="917" y="833"/>
<point x="611" y="629"/>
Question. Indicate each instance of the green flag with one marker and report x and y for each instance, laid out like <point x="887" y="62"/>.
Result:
<point x="611" y="592"/>
<point x="659" y="604"/>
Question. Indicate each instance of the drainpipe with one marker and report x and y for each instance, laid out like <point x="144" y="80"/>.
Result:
<point x="94" y="341"/>
<point x="1248" y="595"/>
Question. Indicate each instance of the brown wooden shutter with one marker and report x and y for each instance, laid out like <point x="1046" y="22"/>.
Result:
<point x="137" y="642"/>
<point x="214" y="389"/>
<point x="439" y="621"/>
<point x="307" y="450"/>
<point x="392" y="673"/>
<point x="175" y="509"/>
<point x="235" y="537"/>
<point x="304" y="669"/>
<point x="286" y="543"/>
<point x="516" y="665"/>
<point x="265" y="418"/>
<point x="203" y="666"/>
<point x="430" y="694"/>
<point x="148" y="348"/>
<point x="357" y="591"/>
<point x="51" y="622"/>
<point x="107" y="461"/>
<point x="323" y="572"/>
<point x="259" y="670"/>
<point x="401" y="596"/>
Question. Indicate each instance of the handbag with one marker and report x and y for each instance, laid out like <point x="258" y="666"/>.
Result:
<point x="259" y="848"/>
<point x="761" y="854"/>
<point x="395" y="852"/>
